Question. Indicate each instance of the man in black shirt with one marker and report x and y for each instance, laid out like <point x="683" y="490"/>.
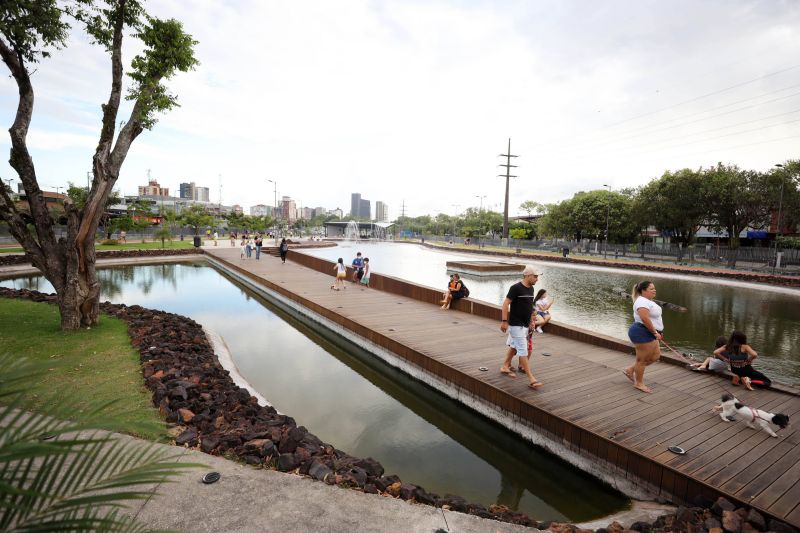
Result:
<point x="517" y="320"/>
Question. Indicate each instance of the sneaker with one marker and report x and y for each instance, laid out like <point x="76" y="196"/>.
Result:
<point x="539" y="329"/>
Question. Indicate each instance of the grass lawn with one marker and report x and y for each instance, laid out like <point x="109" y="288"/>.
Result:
<point x="150" y="245"/>
<point x="99" y="365"/>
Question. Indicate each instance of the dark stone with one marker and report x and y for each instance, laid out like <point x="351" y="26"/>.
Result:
<point x="252" y="459"/>
<point x="370" y="488"/>
<point x="641" y="527"/>
<point x="383" y="483"/>
<point x="684" y="515"/>
<point x="702" y="501"/>
<point x="208" y="444"/>
<point x="422" y="496"/>
<point x="286" y="462"/>
<point x="780" y="527"/>
<point x="711" y="523"/>
<point x="371" y="466"/>
<point x="189" y="436"/>
<point x="731" y="522"/>
<point x="456" y="503"/>
<point x="722" y="505"/>
<point x="407" y="491"/>
<point x="318" y="470"/>
<point x="756" y="519"/>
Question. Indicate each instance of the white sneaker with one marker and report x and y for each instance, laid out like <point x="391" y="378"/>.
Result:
<point x="539" y="329"/>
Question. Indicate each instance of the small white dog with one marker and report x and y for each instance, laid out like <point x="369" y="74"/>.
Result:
<point x="731" y="409"/>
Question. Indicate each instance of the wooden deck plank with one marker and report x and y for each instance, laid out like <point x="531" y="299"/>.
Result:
<point x="586" y="401"/>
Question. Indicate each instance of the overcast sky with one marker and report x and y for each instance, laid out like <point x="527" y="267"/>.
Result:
<point x="413" y="101"/>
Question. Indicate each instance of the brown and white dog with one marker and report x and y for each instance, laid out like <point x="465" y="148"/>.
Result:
<point x="731" y="409"/>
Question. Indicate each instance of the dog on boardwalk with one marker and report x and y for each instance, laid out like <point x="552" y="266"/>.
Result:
<point x="731" y="409"/>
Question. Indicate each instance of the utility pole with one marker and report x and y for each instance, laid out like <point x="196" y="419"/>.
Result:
<point x="508" y="177"/>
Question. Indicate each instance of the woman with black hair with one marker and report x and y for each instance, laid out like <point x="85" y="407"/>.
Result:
<point x="740" y="355"/>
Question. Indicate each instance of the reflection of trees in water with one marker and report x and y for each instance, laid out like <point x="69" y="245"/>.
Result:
<point x="32" y="283"/>
<point x="113" y="280"/>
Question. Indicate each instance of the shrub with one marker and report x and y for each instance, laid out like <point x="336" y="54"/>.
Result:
<point x="109" y="241"/>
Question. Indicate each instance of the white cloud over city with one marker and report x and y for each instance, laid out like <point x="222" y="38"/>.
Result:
<point x="413" y="101"/>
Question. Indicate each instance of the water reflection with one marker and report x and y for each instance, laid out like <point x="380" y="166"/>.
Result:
<point x="584" y="298"/>
<point x="361" y="405"/>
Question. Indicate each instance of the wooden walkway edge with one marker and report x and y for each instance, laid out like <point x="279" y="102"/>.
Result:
<point x="587" y="405"/>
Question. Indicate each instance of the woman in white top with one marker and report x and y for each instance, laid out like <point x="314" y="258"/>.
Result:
<point x="645" y="332"/>
<point x="542" y="303"/>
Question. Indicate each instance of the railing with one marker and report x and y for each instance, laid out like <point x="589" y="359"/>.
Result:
<point x="746" y="257"/>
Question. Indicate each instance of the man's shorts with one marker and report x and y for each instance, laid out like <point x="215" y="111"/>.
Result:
<point x="518" y="339"/>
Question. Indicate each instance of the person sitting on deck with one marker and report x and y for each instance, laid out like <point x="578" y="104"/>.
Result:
<point x="740" y="356"/>
<point x="455" y="291"/>
<point x="713" y="363"/>
<point x="358" y="268"/>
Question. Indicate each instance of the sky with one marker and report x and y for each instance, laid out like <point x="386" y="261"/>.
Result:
<point x="411" y="102"/>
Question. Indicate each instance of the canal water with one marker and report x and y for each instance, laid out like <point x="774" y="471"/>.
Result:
<point x="587" y="297"/>
<point x="352" y="400"/>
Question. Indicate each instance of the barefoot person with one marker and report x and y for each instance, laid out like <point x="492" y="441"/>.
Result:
<point x="516" y="318"/>
<point x="740" y="356"/>
<point x="645" y="332"/>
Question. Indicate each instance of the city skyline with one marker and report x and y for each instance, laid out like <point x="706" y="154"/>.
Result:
<point x="324" y="99"/>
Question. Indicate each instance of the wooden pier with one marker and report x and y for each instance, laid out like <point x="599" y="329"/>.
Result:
<point x="587" y="405"/>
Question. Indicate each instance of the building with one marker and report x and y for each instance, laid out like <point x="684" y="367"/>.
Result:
<point x="236" y="208"/>
<point x="190" y="191"/>
<point x="261" y="210"/>
<point x="288" y="210"/>
<point x="305" y="213"/>
<point x="381" y="212"/>
<point x="153" y="189"/>
<point x="365" y="211"/>
<point x="320" y="211"/>
<point x="338" y="213"/>
<point x="355" y="204"/>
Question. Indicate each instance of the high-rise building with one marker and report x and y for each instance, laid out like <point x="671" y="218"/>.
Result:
<point x="288" y="210"/>
<point x="338" y="212"/>
<point x="381" y="212"/>
<point x="187" y="191"/>
<point x="319" y="211"/>
<point x="355" y="204"/>
<point x="261" y="210"/>
<point x="365" y="211"/>
<point x="201" y="194"/>
<point x="153" y="189"/>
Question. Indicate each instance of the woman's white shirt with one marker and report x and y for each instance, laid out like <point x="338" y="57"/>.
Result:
<point x="655" y="312"/>
<point x="541" y="304"/>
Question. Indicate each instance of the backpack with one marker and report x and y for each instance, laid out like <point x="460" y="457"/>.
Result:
<point x="465" y="290"/>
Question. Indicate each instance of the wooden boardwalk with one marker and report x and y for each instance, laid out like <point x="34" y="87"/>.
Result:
<point x="586" y="403"/>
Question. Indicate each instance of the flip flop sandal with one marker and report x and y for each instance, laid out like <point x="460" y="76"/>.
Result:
<point x="535" y="385"/>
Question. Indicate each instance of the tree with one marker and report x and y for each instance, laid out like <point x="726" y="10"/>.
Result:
<point x="737" y="199"/>
<point x="196" y="218"/>
<point x="28" y="33"/>
<point x="585" y="214"/>
<point x="674" y="203"/>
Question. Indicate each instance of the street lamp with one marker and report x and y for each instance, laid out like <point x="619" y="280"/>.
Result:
<point x="780" y="208"/>
<point x="481" y="197"/>
<point x="608" y="212"/>
<point x="275" y="207"/>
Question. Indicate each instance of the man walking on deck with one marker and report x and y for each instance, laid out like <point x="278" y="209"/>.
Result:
<point x="517" y="320"/>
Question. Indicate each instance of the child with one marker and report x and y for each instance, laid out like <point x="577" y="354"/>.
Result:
<point x="341" y="274"/>
<point x="739" y="354"/>
<point x="542" y="304"/>
<point x="713" y="363"/>
<point x="365" y="277"/>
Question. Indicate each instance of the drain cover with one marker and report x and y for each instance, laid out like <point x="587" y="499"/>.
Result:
<point x="211" y="477"/>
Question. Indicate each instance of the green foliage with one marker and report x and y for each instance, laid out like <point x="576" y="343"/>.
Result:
<point x="518" y="233"/>
<point x="33" y="26"/>
<point x="196" y="218"/>
<point x="77" y="479"/>
<point x="78" y="196"/>
<point x="163" y="234"/>
<point x="675" y="202"/>
<point x="585" y="216"/>
<point x="789" y="243"/>
<point x="167" y="50"/>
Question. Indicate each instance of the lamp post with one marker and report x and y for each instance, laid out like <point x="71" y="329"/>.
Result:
<point x="608" y="212"/>
<point x="780" y="208"/>
<point x="275" y="207"/>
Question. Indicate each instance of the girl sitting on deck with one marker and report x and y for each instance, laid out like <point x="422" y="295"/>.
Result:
<point x="740" y="355"/>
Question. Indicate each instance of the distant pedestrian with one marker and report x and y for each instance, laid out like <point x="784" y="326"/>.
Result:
<point x="259" y="243"/>
<point x="341" y="275"/>
<point x="233" y="239"/>
<point x="249" y="248"/>
<point x="216" y="236"/>
<point x="358" y="268"/>
<point x="516" y="314"/>
<point x="644" y="333"/>
<point x="365" y="277"/>
<point x="283" y="249"/>
<point x="123" y="236"/>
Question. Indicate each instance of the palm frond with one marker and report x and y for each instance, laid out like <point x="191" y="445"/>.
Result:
<point x="58" y="474"/>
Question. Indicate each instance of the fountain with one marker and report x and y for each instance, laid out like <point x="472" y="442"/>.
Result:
<point x="351" y="232"/>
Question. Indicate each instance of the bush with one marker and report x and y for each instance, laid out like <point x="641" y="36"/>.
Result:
<point x="789" y="243"/>
<point x="109" y="241"/>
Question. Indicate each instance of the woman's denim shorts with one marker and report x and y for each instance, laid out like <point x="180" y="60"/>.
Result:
<point x="639" y="334"/>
